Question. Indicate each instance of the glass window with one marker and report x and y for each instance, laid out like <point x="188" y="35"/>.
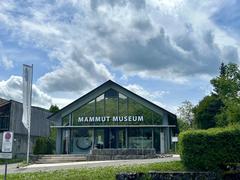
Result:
<point x="84" y="115"/>
<point x="99" y="138"/>
<point x="122" y="105"/>
<point x="112" y="108"/>
<point x="81" y="140"/>
<point x="111" y="103"/>
<point x="121" y="138"/>
<point x="134" y="137"/>
<point x="65" y="121"/>
<point x="147" y="138"/>
<point x="136" y="109"/>
<point x="111" y="93"/>
<point x="65" y="141"/>
<point x="100" y="105"/>
<point x="4" y="117"/>
<point x="157" y="118"/>
<point x="157" y="139"/>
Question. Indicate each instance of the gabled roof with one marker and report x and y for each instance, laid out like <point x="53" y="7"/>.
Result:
<point x="105" y="86"/>
<point x="3" y="102"/>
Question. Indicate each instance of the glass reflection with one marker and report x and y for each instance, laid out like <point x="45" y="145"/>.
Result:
<point x="113" y="104"/>
<point x="81" y="140"/>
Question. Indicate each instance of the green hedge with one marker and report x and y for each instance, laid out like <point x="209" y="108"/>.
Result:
<point x="44" y="145"/>
<point x="210" y="149"/>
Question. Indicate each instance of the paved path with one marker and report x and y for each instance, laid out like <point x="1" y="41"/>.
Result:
<point x="12" y="168"/>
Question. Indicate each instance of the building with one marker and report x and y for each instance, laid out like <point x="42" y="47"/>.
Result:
<point x="11" y="120"/>
<point x="112" y="117"/>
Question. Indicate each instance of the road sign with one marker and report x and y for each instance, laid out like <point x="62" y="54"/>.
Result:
<point x="5" y="155"/>
<point x="174" y="139"/>
<point x="7" y="142"/>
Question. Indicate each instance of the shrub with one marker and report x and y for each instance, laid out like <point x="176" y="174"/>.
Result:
<point x="44" y="145"/>
<point x="210" y="149"/>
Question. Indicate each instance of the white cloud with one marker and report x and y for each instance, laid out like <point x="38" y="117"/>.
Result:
<point x="12" y="89"/>
<point x="151" y="39"/>
<point x="6" y="63"/>
<point x="153" y="96"/>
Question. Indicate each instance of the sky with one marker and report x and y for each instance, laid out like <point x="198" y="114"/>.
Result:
<point x="166" y="51"/>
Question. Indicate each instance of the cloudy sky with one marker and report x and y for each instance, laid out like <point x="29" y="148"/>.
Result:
<point x="164" y="50"/>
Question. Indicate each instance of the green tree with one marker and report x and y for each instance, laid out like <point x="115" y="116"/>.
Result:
<point x="185" y="113"/>
<point x="206" y="111"/>
<point x="54" y="108"/>
<point x="227" y="84"/>
<point x="183" y="125"/>
<point x="227" y="88"/>
<point x="53" y="131"/>
<point x="46" y="145"/>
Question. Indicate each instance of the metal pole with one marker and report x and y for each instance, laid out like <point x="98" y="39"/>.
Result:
<point x="28" y="144"/>
<point x="5" y="173"/>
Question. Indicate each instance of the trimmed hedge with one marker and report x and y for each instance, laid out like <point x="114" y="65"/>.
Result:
<point x="210" y="149"/>
<point x="44" y="145"/>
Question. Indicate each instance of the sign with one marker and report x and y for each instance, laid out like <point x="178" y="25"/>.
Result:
<point x="174" y="139"/>
<point x="7" y="142"/>
<point x="111" y="119"/>
<point x="5" y="155"/>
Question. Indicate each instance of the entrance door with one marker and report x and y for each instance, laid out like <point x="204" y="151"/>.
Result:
<point x="113" y="138"/>
<point x="99" y="138"/>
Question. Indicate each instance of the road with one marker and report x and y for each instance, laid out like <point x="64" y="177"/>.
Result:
<point x="12" y="168"/>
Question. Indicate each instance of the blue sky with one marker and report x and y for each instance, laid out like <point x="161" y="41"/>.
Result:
<point x="165" y="51"/>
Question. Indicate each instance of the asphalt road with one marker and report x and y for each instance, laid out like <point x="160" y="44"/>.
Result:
<point x="12" y="168"/>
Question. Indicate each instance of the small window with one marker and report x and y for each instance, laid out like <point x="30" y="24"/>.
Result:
<point x="111" y="93"/>
<point x="65" y="121"/>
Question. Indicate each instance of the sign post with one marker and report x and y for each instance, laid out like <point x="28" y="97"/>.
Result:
<point x="6" y="150"/>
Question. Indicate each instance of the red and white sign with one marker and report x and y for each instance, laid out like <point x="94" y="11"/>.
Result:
<point x="7" y="141"/>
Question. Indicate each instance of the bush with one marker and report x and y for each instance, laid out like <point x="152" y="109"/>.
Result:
<point x="210" y="149"/>
<point x="44" y="145"/>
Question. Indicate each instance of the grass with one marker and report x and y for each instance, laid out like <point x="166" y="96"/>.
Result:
<point x="103" y="173"/>
<point x="11" y="161"/>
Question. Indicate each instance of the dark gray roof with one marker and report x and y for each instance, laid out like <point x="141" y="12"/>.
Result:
<point x="3" y="102"/>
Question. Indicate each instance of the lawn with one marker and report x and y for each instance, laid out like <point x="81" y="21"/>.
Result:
<point x="103" y="173"/>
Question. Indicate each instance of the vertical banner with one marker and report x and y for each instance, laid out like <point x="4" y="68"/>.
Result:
<point x="27" y="95"/>
<point x="27" y="100"/>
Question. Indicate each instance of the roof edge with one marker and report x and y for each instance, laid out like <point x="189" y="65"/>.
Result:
<point x="104" y="84"/>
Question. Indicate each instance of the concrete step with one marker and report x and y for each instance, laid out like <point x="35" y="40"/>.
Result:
<point x="41" y="159"/>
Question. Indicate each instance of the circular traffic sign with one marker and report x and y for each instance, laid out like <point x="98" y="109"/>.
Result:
<point x="8" y="135"/>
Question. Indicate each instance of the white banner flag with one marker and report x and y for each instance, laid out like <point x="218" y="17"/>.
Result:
<point x="27" y="95"/>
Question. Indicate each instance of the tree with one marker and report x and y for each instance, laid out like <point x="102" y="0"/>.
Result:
<point x="227" y="84"/>
<point x="227" y="87"/>
<point x="206" y="110"/>
<point x="183" y="125"/>
<point x="46" y="145"/>
<point x="185" y="113"/>
<point x="54" y="108"/>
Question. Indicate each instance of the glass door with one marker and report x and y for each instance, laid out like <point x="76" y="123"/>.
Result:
<point x="113" y="137"/>
<point x="99" y="138"/>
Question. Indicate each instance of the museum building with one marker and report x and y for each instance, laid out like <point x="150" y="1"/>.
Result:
<point x="112" y="117"/>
